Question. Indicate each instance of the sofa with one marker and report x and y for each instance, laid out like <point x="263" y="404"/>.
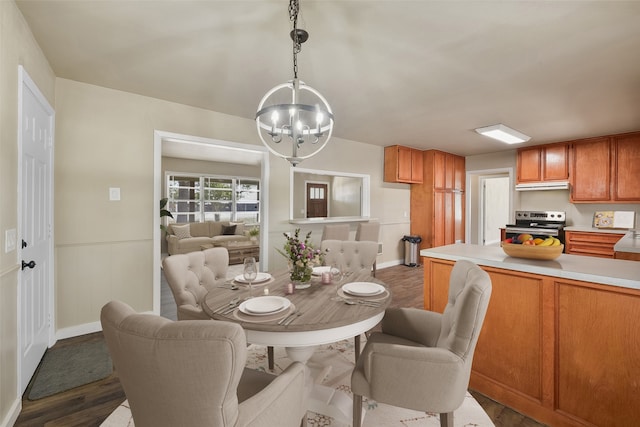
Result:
<point x="187" y="237"/>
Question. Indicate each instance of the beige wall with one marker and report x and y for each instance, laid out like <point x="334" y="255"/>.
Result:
<point x="17" y="47"/>
<point x="105" y="139"/>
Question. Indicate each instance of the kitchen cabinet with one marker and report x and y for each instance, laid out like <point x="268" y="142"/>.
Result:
<point x="437" y="205"/>
<point x="543" y="163"/>
<point x="591" y="243"/>
<point x="403" y="164"/>
<point x="629" y="256"/>
<point x="606" y="169"/>
<point x="540" y="350"/>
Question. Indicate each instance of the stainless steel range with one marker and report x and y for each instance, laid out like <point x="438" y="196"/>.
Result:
<point x="538" y="224"/>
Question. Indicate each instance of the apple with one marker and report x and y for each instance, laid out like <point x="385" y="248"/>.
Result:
<point x="509" y="240"/>
<point x="524" y="237"/>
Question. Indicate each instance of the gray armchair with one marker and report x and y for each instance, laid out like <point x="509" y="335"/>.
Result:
<point x="192" y="373"/>
<point x="422" y="359"/>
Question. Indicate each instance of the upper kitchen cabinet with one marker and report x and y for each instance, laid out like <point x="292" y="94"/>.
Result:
<point x="403" y="164"/>
<point x="543" y="163"/>
<point x="606" y="169"/>
<point x="626" y="170"/>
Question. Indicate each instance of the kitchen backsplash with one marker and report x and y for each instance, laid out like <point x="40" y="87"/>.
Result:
<point x="577" y="214"/>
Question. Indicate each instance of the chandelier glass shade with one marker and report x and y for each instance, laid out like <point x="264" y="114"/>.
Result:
<point x="294" y="121"/>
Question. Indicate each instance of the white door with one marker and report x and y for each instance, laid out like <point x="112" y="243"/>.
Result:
<point x="35" y="285"/>
<point x="495" y="208"/>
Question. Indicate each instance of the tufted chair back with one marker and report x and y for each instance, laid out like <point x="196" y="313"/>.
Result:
<point x="191" y="275"/>
<point x="469" y="287"/>
<point x="354" y="256"/>
<point x="193" y="373"/>
<point x="335" y="232"/>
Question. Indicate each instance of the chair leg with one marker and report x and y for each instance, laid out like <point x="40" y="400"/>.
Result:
<point x="270" y="357"/>
<point x="357" y="410"/>
<point x="356" y="346"/>
<point x="446" y="419"/>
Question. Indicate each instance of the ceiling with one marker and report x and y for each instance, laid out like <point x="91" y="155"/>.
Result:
<point x="416" y="73"/>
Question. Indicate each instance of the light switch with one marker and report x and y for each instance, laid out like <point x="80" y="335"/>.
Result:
<point x="114" y="193"/>
<point x="10" y="240"/>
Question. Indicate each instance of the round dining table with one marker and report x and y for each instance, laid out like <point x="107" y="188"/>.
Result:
<point x="319" y="314"/>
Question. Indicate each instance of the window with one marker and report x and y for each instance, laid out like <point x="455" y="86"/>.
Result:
<point x="197" y="198"/>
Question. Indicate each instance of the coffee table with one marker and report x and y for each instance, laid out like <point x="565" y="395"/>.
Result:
<point x="238" y="251"/>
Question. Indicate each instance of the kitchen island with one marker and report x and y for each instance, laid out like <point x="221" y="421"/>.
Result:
<point x="561" y="339"/>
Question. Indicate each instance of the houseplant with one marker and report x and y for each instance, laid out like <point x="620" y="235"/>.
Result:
<point x="164" y="212"/>
<point x="301" y="256"/>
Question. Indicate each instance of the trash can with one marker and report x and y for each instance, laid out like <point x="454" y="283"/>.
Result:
<point x="411" y="250"/>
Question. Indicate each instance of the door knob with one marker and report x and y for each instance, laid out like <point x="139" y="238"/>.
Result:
<point x="30" y="264"/>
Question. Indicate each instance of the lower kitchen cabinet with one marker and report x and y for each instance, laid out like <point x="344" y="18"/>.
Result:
<point x="591" y="243"/>
<point x="564" y="352"/>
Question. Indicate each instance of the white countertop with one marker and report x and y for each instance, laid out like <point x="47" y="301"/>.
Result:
<point x="589" y="269"/>
<point x="628" y="243"/>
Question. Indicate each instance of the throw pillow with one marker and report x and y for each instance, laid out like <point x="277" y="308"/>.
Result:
<point x="229" y="230"/>
<point x="181" y="231"/>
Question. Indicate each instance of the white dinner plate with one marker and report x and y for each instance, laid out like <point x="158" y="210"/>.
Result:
<point x="260" y="277"/>
<point x="263" y="306"/>
<point x="317" y="271"/>
<point x="363" y="289"/>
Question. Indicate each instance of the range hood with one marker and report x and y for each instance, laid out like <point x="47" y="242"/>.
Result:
<point x="537" y="186"/>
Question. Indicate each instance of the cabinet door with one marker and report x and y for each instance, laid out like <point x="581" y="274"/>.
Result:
<point x="449" y="171"/>
<point x="591" y="171"/>
<point x="459" y="174"/>
<point x="458" y="216"/>
<point x="417" y="167"/>
<point x="404" y="164"/>
<point x="439" y="218"/>
<point x="439" y="170"/>
<point x="555" y="162"/>
<point x="626" y="177"/>
<point x="529" y="165"/>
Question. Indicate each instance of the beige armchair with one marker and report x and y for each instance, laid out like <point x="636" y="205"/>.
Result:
<point x="190" y="276"/>
<point x="354" y="256"/>
<point x="422" y="359"/>
<point x="192" y="373"/>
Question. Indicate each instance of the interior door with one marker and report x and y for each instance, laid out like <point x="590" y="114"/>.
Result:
<point x="495" y="208"/>
<point x="36" y="139"/>
<point x="317" y="200"/>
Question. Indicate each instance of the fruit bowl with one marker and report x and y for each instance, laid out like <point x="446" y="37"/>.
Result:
<point x="532" y="251"/>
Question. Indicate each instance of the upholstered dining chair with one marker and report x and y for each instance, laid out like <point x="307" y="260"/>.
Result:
<point x="422" y="359"/>
<point x="351" y="257"/>
<point x="190" y="276"/>
<point x="192" y="373"/>
<point x="354" y="256"/>
<point x="369" y="231"/>
<point x="335" y="232"/>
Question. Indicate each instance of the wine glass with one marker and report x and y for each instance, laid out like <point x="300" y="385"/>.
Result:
<point x="337" y="274"/>
<point x="250" y="272"/>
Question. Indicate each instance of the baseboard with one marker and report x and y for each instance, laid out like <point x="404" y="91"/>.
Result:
<point x="13" y="413"/>
<point x="86" y="328"/>
<point x="387" y="264"/>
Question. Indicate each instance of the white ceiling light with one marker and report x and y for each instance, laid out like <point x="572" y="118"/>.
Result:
<point x="503" y="133"/>
<point x="294" y="120"/>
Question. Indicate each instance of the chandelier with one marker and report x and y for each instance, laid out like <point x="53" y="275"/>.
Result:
<point x="294" y="121"/>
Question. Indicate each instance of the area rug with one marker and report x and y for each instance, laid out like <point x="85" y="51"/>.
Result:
<point x="68" y="367"/>
<point x="340" y="356"/>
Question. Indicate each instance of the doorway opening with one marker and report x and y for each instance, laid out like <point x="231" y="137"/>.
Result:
<point x="198" y="148"/>
<point x="490" y="201"/>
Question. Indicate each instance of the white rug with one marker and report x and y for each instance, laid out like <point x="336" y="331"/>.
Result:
<point x="340" y="357"/>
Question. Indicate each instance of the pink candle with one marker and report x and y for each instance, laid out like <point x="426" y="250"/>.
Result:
<point x="326" y="278"/>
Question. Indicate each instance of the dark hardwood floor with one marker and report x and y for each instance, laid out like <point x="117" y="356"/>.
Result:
<point x="91" y="404"/>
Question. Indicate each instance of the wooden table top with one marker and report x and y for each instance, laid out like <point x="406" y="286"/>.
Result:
<point x="318" y="304"/>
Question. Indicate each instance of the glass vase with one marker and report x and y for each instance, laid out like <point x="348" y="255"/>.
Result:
<point x="301" y="276"/>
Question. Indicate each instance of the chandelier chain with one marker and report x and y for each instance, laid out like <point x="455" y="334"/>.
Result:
<point x="294" y="8"/>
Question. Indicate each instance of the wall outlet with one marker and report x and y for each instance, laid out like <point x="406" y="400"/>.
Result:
<point x="10" y="237"/>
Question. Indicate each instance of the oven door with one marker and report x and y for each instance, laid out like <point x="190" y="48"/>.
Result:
<point x="514" y="230"/>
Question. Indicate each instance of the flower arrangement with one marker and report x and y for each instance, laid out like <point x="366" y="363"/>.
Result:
<point x="302" y="256"/>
